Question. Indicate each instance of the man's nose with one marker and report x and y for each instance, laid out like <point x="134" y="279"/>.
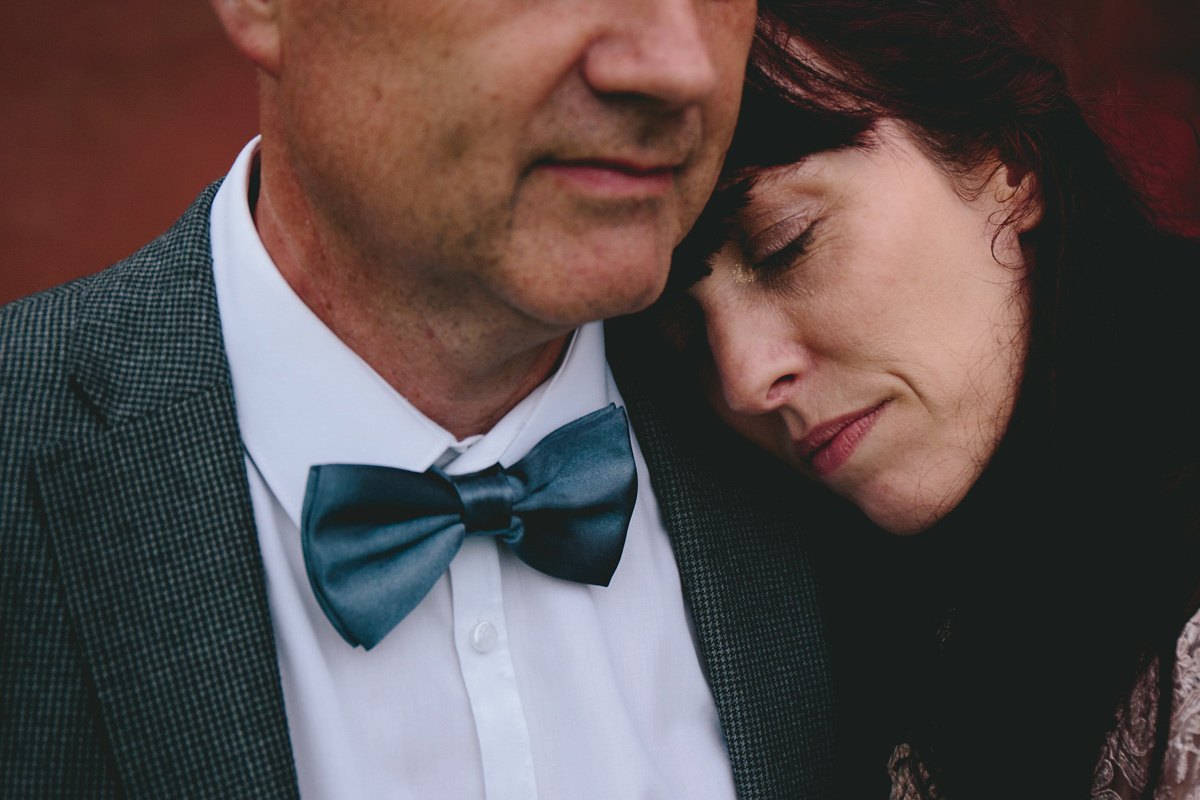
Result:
<point x="655" y="48"/>
<point x="759" y="361"/>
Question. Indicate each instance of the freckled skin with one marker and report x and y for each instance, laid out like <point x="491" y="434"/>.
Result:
<point x="403" y="187"/>
<point x="900" y="298"/>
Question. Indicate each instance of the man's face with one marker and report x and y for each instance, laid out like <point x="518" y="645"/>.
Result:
<point x="549" y="152"/>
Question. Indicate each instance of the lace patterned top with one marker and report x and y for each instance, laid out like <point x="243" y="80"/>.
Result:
<point x="1123" y="770"/>
<point x="1125" y="760"/>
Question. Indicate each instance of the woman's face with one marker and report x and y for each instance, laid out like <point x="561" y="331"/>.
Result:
<point x="868" y="324"/>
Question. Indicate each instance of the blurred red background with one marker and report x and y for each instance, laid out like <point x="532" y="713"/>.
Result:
<point x="114" y="114"/>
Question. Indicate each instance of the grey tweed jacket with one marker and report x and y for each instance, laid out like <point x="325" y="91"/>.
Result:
<point x="136" y="651"/>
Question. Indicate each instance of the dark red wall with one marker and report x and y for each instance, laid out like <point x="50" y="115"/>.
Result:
<point x="1136" y="65"/>
<point x="115" y="113"/>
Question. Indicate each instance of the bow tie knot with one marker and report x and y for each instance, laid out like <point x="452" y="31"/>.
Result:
<point x="487" y="500"/>
<point x="376" y="539"/>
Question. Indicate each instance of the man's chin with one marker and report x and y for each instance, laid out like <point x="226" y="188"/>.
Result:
<point x="566" y="317"/>
<point x="593" y="280"/>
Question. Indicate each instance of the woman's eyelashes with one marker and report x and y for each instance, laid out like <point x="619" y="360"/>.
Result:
<point x="768" y="264"/>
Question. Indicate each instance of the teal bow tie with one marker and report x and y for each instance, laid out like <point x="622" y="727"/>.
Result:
<point x="376" y="539"/>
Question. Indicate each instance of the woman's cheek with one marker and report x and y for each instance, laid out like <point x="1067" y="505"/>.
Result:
<point x="764" y="430"/>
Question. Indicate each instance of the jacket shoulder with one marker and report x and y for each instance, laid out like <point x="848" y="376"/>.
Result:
<point x="34" y="336"/>
<point x="64" y="354"/>
<point x="108" y="318"/>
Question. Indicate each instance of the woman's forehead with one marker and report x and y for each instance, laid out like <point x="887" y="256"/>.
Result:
<point x="817" y="169"/>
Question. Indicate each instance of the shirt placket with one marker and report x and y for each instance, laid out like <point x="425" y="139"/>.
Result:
<point x="481" y="640"/>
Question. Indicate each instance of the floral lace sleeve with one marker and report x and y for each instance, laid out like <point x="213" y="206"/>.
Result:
<point x="1124" y="764"/>
<point x="904" y="768"/>
<point x="1123" y="769"/>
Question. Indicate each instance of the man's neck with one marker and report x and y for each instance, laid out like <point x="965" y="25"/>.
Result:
<point x="464" y="365"/>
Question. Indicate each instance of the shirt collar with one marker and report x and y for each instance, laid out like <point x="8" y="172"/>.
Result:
<point x="305" y="398"/>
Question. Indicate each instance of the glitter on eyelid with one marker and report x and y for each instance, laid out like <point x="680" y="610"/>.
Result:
<point x="739" y="272"/>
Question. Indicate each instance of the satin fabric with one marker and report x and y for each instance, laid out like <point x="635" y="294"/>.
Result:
<point x="376" y="539"/>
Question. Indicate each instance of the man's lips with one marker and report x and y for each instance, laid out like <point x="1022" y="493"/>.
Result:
<point x="614" y="177"/>
<point x="830" y="444"/>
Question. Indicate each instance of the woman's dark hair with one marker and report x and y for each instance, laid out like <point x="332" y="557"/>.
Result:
<point x="1073" y="561"/>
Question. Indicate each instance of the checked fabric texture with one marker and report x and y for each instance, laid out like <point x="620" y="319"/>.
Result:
<point x="136" y="653"/>
<point x="744" y="560"/>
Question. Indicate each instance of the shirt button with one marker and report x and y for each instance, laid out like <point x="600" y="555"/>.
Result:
<point x="484" y="637"/>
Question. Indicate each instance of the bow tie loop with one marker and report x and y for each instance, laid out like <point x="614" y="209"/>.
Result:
<point x="486" y="498"/>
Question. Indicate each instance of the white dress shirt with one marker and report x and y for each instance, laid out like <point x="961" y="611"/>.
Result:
<point x="503" y="683"/>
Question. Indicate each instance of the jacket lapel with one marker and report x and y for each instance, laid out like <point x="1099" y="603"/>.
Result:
<point x="153" y="533"/>
<point x="734" y="517"/>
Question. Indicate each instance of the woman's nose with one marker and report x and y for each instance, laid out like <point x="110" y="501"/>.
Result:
<point x="758" y="358"/>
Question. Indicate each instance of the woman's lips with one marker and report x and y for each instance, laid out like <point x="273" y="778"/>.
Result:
<point x="830" y="444"/>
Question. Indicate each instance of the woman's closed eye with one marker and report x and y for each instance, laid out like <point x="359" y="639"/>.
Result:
<point x="773" y="264"/>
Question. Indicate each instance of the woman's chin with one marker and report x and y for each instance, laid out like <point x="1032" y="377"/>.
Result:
<point x="907" y="507"/>
<point x="906" y="522"/>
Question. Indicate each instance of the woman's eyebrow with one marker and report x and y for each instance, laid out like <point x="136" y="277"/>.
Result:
<point x="766" y="179"/>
